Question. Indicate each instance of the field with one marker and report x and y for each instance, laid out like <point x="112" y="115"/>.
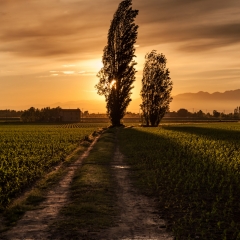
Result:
<point x="194" y="171"/>
<point x="29" y="151"/>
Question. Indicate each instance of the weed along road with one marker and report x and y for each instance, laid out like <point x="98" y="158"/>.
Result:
<point x="34" y="224"/>
<point x="174" y="181"/>
<point x="94" y="200"/>
<point x="104" y="203"/>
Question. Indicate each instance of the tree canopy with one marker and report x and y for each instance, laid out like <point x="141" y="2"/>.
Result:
<point x="44" y="115"/>
<point x="118" y="72"/>
<point x="156" y="88"/>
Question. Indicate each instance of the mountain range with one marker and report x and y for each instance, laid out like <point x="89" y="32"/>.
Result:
<point x="193" y="102"/>
<point x="207" y="102"/>
<point x="231" y="95"/>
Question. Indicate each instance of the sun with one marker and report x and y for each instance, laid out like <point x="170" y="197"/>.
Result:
<point x="113" y="84"/>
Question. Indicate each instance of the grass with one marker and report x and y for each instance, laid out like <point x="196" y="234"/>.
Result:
<point x="92" y="199"/>
<point x="28" y="151"/>
<point x="193" y="170"/>
<point x="33" y="196"/>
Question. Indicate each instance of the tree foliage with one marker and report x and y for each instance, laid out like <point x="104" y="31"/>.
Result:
<point x="10" y="113"/>
<point x="118" y="72"/>
<point x="156" y="88"/>
<point x="44" y="115"/>
<point x="182" y="112"/>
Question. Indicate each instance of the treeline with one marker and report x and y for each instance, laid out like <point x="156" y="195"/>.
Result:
<point x="48" y="114"/>
<point x="86" y="114"/>
<point x="41" y="115"/>
<point x="184" y="113"/>
<point x="10" y="113"/>
<point x="181" y="113"/>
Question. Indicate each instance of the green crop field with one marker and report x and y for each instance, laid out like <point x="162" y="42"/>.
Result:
<point x="28" y="151"/>
<point x="194" y="171"/>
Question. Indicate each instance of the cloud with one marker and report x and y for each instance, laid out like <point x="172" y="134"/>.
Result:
<point x="56" y="28"/>
<point x="219" y="73"/>
<point x="203" y="37"/>
<point x="212" y="24"/>
<point x="70" y="28"/>
<point x="85" y="73"/>
<point x="69" y="72"/>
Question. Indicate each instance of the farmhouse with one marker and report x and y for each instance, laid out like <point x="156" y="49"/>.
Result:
<point x="70" y="115"/>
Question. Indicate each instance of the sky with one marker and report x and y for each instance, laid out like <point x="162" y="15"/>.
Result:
<point x="51" y="50"/>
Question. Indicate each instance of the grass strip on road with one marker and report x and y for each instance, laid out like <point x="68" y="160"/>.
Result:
<point x="92" y="204"/>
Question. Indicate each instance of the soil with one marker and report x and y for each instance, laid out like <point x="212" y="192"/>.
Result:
<point x="138" y="218"/>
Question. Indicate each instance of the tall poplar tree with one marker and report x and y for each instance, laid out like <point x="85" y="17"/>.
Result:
<point x="156" y="88"/>
<point x="118" y="72"/>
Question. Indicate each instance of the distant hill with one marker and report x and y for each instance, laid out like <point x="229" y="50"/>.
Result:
<point x="233" y="95"/>
<point x="205" y="101"/>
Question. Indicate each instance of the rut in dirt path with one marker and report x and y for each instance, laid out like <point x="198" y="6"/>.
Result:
<point x="139" y="218"/>
<point x="34" y="224"/>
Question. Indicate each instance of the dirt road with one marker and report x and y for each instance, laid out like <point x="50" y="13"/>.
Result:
<point x="34" y="224"/>
<point x="138" y="217"/>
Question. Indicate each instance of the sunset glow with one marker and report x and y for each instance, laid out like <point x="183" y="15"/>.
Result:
<point x="113" y="84"/>
<point x="51" y="51"/>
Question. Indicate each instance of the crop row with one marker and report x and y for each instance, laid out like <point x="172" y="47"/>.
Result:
<point x="194" y="170"/>
<point x="82" y="125"/>
<point x="28" y="151"/>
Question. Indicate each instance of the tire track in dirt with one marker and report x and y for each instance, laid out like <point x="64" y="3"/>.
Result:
<point x="139" y="218"/>
<point x="34" y="224"/>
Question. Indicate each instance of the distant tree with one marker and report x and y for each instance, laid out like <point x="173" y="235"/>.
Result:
<point x="118" y="73"/>
<point x="10" y="113"/>
<point x="156" y="88"/>
<point x="216" y="114"/>
<point x="208" y="115"/>
<point x="172" y="114"/>
<point x="236" y="112"/>
<point x="200" y="114"/>
<point x="86" y="114"/>
<point x="44" y="115"/>
<point x="29" y="115"/>
<point x="182" y="112"/>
